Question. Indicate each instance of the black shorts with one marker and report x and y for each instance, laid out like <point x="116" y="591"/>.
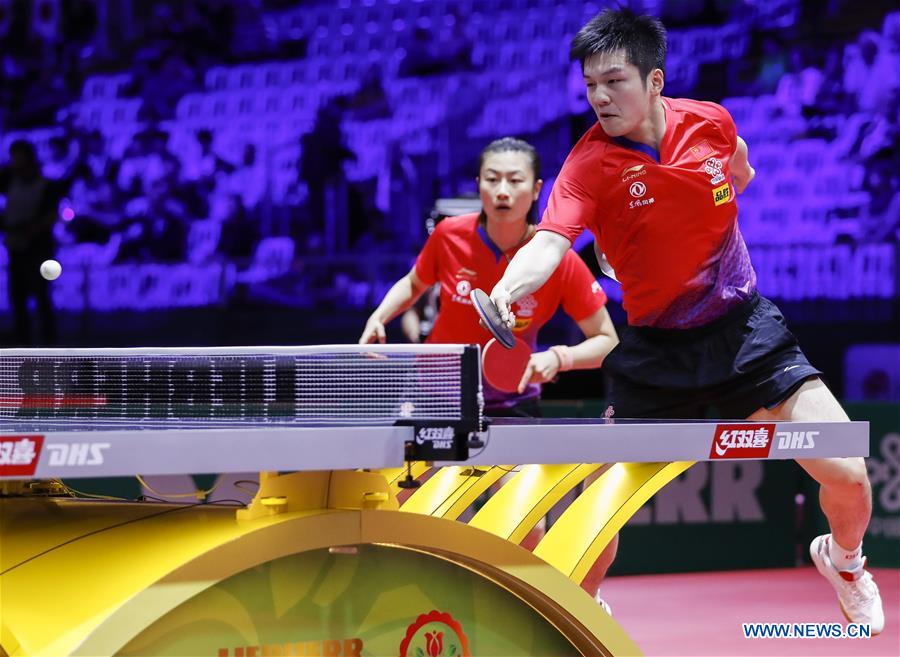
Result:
<point x="731" y="367"/>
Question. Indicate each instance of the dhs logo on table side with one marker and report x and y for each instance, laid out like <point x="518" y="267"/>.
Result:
<point x="74" y="454"/>
<point x="797" y="439"/>
<point x="742" y="441"/>
<point x="439" y="437"/>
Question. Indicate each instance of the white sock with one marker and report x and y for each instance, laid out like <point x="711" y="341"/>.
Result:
<point x="842" y="558"/>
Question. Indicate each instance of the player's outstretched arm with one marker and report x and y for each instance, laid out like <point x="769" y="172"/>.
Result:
<point x="528" y="270"/>
<point x="741" y="171"/>
<point x="401" y="296"/>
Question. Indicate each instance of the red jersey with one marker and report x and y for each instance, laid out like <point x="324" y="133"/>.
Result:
<point x="460" y="256"/>
<point x="666" y="221"/>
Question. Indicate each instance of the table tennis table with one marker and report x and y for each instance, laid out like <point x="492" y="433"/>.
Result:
<point x="340" y="423"/>
<point x="74" y="449"/>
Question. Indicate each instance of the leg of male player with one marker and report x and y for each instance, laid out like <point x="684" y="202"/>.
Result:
<point x="845" y="496"/>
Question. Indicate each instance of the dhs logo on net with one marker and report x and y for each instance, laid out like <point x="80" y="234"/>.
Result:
<point x="638" y="190"/>
<point x="439" y="437"/>
<point x="742" y="441"/>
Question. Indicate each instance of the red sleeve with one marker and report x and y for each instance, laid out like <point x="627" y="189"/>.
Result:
<point x="721" y="117"/>
<point x="427" y="264"/>
<point x="571" y="207"/>
<point x="582" y="294"/>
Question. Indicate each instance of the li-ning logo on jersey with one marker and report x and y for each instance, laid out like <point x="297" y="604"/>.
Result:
<point x="721" y="194"/>
<point x="633" y="172"/>
<point x="742" y="441"/>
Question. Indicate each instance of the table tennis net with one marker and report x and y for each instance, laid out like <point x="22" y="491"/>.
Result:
<point x="325" y="385"/>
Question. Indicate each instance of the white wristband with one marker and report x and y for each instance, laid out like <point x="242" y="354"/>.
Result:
<point x="566" y="362"/>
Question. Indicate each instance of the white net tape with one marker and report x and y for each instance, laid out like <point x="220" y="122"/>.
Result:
<point x="327" y="385"/>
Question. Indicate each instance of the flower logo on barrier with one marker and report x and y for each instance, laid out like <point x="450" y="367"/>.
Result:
<point x="435" y="634"/>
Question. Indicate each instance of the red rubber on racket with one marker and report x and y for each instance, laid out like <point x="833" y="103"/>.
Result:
<point x="503" y="368"/>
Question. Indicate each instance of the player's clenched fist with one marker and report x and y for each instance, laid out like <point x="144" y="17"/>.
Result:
<point x="501" y="298"/>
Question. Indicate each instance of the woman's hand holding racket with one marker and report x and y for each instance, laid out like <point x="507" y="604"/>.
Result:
<point x="542" y="368"/>
<point x="511" y="370"/>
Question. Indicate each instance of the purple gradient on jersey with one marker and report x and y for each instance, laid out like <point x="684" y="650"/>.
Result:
<point x="723" y="285"/>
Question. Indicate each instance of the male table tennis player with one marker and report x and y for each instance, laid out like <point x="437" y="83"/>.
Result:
<point x="655" y="181"/>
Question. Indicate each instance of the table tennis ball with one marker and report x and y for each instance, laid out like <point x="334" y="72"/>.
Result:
<point x="51" y="269"/>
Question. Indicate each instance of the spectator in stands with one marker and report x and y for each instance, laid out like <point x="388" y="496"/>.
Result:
<point x="163" y="82"/>
<point x="799" y="88"/>
<point x="430" y="54"/>
<point x="240" y="232"/>
<point x="247" y="180"/>
<point x="831" y="98"/>
<point x="370" y="101"/>
<point x="204" y="165"/>
<point x="772" y="65"/>
<point x="63" y="156"/>
<point x="322" y="157"/>
<point x="158" y="226"/>
<point x="880" y="218"/>
<point x="94" y="152"/>
<point x="31" y="212"/>
<point x="92" y="199"/>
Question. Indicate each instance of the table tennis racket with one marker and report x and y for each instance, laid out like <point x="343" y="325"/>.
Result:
<point x="503" y="367"/>
<point x="490" y="317"/>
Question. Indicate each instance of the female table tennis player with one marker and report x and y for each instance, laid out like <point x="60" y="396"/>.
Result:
<point x="472" y="251"/>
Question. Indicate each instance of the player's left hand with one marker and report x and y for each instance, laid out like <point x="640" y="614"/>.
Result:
<point x="543" y="366"/>
<point x="741" y="182"/>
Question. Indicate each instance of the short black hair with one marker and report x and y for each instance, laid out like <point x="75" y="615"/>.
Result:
<point x="511" y="144"/>
<point x="643" y="38"/>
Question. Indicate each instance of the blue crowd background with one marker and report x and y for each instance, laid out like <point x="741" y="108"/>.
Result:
<point x="261" y="171"/>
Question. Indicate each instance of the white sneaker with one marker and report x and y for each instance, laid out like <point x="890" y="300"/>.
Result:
<point x="600" y="601"/>
<point x="857" y="592"/>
